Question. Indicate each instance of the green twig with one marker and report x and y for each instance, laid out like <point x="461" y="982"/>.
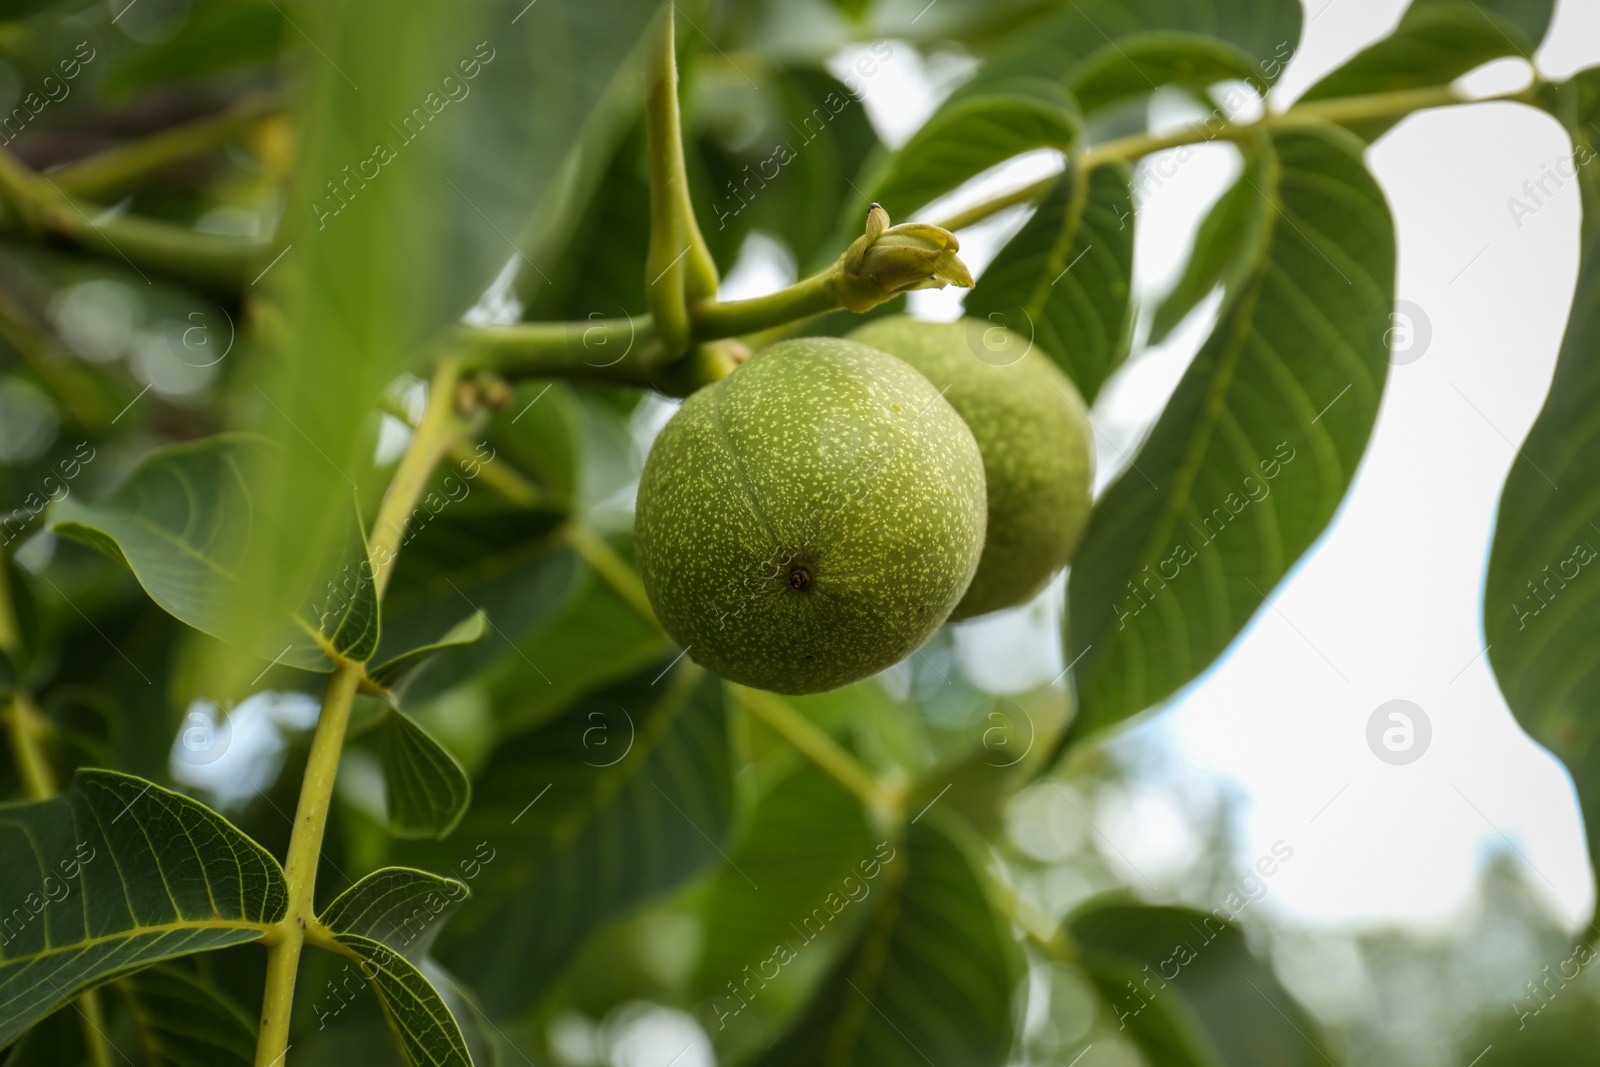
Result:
<point x="108" y="174"/>
<point x="213" y="263"/>
<point x="1139" y="145"/>
<point x="300" y="865"/>
<point x="815" y="744"/>
<point x="678" y="269"/>
<point x="439" y="429"/>
<point x="612" y="569"/>
<point x="623" y="351"/>
<point x="440" y="426"/>
<point x="805" y="298"/>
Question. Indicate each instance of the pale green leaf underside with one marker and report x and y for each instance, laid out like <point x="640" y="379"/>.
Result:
<point x="154" y="875"/>
<point x="184" y="522"/>
<point x="399" y="907"/>
<point x="1541" y="604"/>
<point x="930" y="980"/>
<point x="1254" y="452"/>
<point x="423" y="1027"/>
<point x="395" y="673"/>
<point x="427" y="790"/>
<point x="1065" y="280"/>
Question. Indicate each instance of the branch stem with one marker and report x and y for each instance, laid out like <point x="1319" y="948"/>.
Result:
<point x="612" y="569"/>
<point x="439" y="429"/>
<point x="678" y="267"/>
<point x="108" y="174"/>
<point x="1139" y="145"/>
<point x="210" y="262"/>
<point x="815" y="744"/>
<point x="805" y="298"/>
<point x="300" y="867"/>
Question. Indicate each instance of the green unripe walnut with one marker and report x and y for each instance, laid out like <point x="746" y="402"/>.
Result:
<point x="1031" y="427"/>
<point x="812" y="518"/>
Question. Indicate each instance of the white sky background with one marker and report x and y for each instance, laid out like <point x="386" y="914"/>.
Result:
<point x="1387" y="605"/>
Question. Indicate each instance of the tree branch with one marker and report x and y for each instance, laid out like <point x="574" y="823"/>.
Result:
<point x="106" y="175"/>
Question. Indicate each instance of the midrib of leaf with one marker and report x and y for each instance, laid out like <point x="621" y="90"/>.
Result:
<point x="1081" y="180"/>
<point x="1239" y="327"/>
<point x="572" y="824"/>
<point x="141" y="931"/>
<point x="369" y="953"/>
<point x="177" y="542"/>
<point x="867" y="970"/>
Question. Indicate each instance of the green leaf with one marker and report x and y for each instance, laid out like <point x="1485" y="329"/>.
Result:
<point x="1540" y="608"/>
<point x="364" y="267"/>
<point x="1184" y="986"/>
<point x="597" y="639"/>
<point x="1066" y="279"/>
<point x="183" y="1021"/>
<point x="426" y="788"/>
<point x="394" y="674"/>
<point x="216" y="37"/>
<point x="183" y="521"/>
<point x="779" y="156"/>
<point x="628" y="797"/>
<point x="562" y="96"/>
<point x="423" y="1027"/>
<point x="805" y="837"/>
<point x="1221" y="250"/>
<point x="1142" y="61"/>
<point x="513" y="567"/>
<point x="1111" y="49"/>
<point x="929" y="981"/>
<point x="156" y="875"/>
<point x="1254" y="452"/>
<point x="1436" y="42"/>
<point x="386" y="922"/>
<point x="971" y="133"/>
<point x="400" y="908"/>
<point x="54" y="1041"/>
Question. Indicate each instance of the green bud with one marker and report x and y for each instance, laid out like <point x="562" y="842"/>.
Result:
<point x="888" y="260"/>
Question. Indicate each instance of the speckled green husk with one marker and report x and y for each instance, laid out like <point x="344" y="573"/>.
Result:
<point x="1032" y="429"/>
<point x="811" y="519"/>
